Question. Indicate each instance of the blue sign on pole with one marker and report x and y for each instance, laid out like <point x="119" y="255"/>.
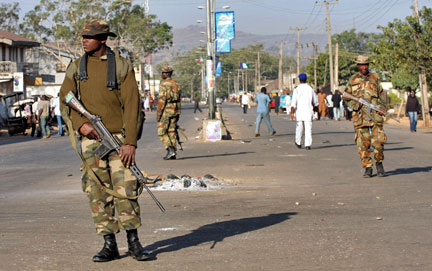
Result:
<point x="223" y="46"/>
<point x="218" y="69"/>
<point x="224" y="25"/>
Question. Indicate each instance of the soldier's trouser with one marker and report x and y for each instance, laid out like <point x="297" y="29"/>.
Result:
<point x="115" y="176"/>
<point x="365" y="138"/>
<point x="167" y="131"/>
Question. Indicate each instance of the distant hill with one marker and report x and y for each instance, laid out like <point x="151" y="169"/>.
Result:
<point x="189" y="37"/>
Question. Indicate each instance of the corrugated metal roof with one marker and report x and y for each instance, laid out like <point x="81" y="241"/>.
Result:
<point x="17" y="39"/>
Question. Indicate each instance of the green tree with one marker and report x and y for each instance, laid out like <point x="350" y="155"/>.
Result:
<point x="63" y="20"/>
<point x="358" y="43"/>
<point x="9" y="16"/>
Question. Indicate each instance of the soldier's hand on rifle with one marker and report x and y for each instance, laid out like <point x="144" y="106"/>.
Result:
<point x="89" y="131"/>
<point x="127" y="155"/>
<point x="382" y="112"/>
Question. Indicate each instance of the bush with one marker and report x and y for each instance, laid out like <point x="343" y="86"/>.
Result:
<point x="393" y="99"/>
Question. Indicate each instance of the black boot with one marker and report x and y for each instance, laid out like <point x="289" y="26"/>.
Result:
<point x="109" y="251"/>
<point x="368" y="172"/>
<point x="135" y="248"/>
<point x="380" y="169"/>
<point x="171" y="154"/>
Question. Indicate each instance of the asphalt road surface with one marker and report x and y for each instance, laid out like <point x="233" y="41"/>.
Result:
<point x="281" y="209"/>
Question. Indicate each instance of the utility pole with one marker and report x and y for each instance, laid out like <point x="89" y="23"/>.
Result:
<point x="259" y="69"/>
<point x="337" y="66"/>
<point x="329" y="40"/>
<point x="255" y="79"/>
<point x="280" y="79"/>
<point x="228" y="83"/>
<point x="315" y="56"/>
<point x="422" y="79"/>
<point x="298" y="47"/>
<point x="210" y="61"/>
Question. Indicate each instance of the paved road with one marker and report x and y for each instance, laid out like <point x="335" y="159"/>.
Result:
<point x="284" y="208"/>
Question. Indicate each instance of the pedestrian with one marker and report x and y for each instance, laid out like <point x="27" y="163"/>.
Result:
<point x="146" y="103"/>
<point x="168" y="113"/>
<point x="277" y="103"/>
<point x="57" y="113"/>
<point x="245" y="102"/>
<point x="368" y="124"/>
<point x="151" y="101"/>
<point x="263" y="101"/>
<point x="329" y="105"/>
<point x="196" y="101"/>
<point x="322" y="108"/>
<point x="288" y="98"/>
<point x="336" y="98"/>
<point x="302" y="109"/>
<point x="35" y="126"/>
<point x="95" y="77"/>
<point x="43" y="113"/>
<point x="412" y="107"/>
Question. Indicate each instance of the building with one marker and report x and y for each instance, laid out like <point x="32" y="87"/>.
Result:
<point x="14" y="50"/>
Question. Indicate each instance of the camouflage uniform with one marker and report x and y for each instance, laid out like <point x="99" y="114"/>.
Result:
<point x="114" y="176"/>
<point x="368" y="125"/>
<point x="111" y="171"/>
<point x="168" y="111"/>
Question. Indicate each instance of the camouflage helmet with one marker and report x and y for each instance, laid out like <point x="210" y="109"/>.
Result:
<point x="97" y="27"/>
<point x="362" y="59"/>
<point x="167" y="69"/>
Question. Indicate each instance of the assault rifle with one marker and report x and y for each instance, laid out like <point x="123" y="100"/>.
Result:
<point x="109" y="142"/>
<point x="369" y="105"/>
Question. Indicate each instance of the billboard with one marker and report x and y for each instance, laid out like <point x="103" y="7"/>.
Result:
<point x="225" y="30"/>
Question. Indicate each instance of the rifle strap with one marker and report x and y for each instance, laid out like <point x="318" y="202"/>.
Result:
<point x="90" y="171"/>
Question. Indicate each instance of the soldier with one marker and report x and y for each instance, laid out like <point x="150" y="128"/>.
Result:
<point x="168" y="112"/>
<point x="92" y="78"/>
<point x="368" y="124"/>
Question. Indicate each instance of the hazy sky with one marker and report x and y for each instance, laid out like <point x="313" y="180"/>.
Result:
<point x="277" y="16"/>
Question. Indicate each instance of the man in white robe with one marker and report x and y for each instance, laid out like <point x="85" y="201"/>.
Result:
<point x="302" y="104"/>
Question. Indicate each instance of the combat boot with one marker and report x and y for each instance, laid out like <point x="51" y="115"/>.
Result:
<point x="171" y="154"/>
<point x="368" y="172"/>
<point x="380" y="169"/>
<point x="109" y="251"/>
<point x="135" y="249"/>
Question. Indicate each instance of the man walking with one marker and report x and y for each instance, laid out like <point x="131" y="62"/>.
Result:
<point x="322" y="108"/>
<point x="336" y="99"/>
<point x="196" y="101"/>
<point x="168" y="113"/>
<point x="57" y="113"/>
<point x="412" y="107"/>
<point x="368" y="124"/>
<point x="263" y="101"/>
<point x="303" y="102"/>
<point x="44" y="112"/>
<point x="245" y="102"/>
<point x="95" y="78"/>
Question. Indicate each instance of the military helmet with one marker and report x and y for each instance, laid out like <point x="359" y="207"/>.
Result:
<point x="97" y="27"/>
<point x="362" y="59"/>
<point x="167" y="69"/>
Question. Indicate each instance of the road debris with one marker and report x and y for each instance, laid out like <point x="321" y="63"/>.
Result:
<point x="189" y="183"/>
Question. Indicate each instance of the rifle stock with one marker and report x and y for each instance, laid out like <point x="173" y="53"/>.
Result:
<point x="109" y="142"/>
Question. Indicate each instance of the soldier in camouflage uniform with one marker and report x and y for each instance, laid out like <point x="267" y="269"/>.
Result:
<point x="368" y="124"/>
<point x="168" y="113"/>
<point x="101" y="98"/>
